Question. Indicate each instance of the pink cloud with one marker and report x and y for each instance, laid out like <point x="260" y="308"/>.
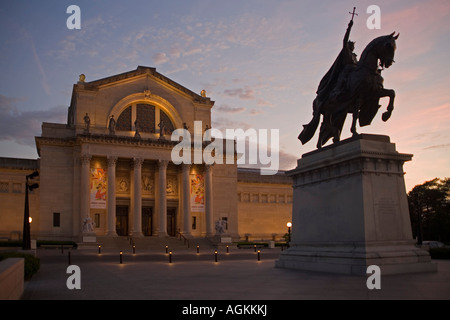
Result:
<point x="160" y="58"/>
<point x="245" y="94"/>
<point x="227" y="109"/>
<point x="420" y="25"/>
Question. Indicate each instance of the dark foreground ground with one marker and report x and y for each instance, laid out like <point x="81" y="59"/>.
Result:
<point x="237" y="275"/>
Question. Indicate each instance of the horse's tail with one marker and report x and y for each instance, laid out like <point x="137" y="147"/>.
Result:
<point x="309" y="129"/>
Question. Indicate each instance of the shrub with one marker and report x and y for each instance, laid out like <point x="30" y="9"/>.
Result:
<point x="11" y="243"/>
<point x="38" y="243"/>
<point x="56" y="242"/>
<point x="440" y="253"/>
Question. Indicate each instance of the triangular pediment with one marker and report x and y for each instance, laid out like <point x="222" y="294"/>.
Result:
<point x="142" y="72"/>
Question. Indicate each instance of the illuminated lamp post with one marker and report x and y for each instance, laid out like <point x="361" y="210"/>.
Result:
<point x="289" y="225"/>
<point x="26" y="244"/>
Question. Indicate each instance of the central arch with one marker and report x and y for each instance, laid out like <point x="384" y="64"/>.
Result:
<point x="149" y="99"/>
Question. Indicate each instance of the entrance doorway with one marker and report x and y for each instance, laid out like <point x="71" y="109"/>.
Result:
<point x="171" y="221"/>
<point x="122" y="220"/>
<point x="147" y="222"/>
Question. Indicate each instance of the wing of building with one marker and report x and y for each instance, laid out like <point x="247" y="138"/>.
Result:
<point x="109" y="171"/>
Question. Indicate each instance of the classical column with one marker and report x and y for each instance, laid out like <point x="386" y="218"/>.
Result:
<point x="186" y="201"/>
<point x="84" y="187"/>
<point x="111" y="196"/>
<point x="208" y="201"/>
<point x="137" y="229"/>
<point x="162" y="186"/>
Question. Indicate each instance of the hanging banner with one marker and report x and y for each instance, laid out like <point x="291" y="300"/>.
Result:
<point x="197" y="193"/>
<point x="98" y="188"/>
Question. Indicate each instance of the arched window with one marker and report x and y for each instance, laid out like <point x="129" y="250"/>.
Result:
<point x="147" y="117"/>
<point x="124" y="121"/>
<point x="168" y="125"/>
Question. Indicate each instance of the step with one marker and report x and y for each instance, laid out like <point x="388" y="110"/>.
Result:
<point x="152" y="243"/>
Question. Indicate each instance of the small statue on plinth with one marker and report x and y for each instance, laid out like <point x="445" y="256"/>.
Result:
<point x="220" y="227"/>
<point x="88" y="225"/>
<point x="112" y="126"/>
<point x="162" y="129"/>
<point x="137" y="135"/>
<point x="87" y="123"/>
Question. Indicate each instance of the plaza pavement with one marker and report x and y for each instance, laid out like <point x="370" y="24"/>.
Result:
<point x="238" y="275"/>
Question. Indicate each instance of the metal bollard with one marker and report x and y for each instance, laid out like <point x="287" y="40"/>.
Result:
<point x="198" y="249"/>
<point x="120" y="257"/>
<point x="134" y="249"/>
<point x="215" y="255"/>
<point x="99" y="249"/>
<point x="170" y="256"/>
<point x="259" y="255"/>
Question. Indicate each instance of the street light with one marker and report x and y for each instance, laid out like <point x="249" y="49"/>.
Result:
<point x="289" y="225"/>
<point x="26" y="245"/>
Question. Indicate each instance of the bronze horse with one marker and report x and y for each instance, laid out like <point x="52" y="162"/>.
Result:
<point x="352" y="88"/>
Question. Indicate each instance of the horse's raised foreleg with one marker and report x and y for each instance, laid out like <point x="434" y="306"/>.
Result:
<point x="391" y="94"/>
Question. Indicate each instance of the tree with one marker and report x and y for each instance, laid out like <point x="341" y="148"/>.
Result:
<point x="429" y="209"/>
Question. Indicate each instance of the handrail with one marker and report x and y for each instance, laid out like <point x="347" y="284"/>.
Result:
<point x="186" y="240"/>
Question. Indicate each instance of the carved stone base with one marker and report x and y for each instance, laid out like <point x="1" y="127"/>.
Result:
<point x="89" y="237"/>
<point x="221" y="240"/>
<point x="350" y="211"/>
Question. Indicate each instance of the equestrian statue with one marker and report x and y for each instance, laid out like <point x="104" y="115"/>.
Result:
<point x="352" y="86"/>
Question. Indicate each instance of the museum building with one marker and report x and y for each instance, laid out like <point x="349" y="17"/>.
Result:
<point x="108" y="171"/>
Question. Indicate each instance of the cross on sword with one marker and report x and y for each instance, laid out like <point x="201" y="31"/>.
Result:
<point x="353" y="13"/>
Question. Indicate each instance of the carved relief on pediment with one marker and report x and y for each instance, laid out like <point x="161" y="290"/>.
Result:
<point x="172" y="186"/>
<point x="122" y="184"/>
<point x="148" y="184"/>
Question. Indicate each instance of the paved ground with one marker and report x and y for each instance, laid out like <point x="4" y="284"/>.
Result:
<point x="236" y="276"/>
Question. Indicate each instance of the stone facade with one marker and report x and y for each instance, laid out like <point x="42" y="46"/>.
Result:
<point x="108" y="170"/>
<point x="12" y="197"/>
<point x="264" y="204"/>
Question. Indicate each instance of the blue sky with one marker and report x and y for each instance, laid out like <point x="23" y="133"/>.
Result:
<point x="260" y="61"/>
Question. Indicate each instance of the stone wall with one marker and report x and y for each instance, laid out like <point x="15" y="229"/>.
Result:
<point x="11" y="278"/>
<point x="264" y="205"/>
<point x="12" y="197"/>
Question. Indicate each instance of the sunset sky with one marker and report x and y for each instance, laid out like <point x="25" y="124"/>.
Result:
<point x="259" y="60"/>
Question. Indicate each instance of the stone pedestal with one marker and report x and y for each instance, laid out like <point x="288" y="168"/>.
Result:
<point x="350" y="211"/>
<point x="89" y="237"/>
<point x="221" y="240"/>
